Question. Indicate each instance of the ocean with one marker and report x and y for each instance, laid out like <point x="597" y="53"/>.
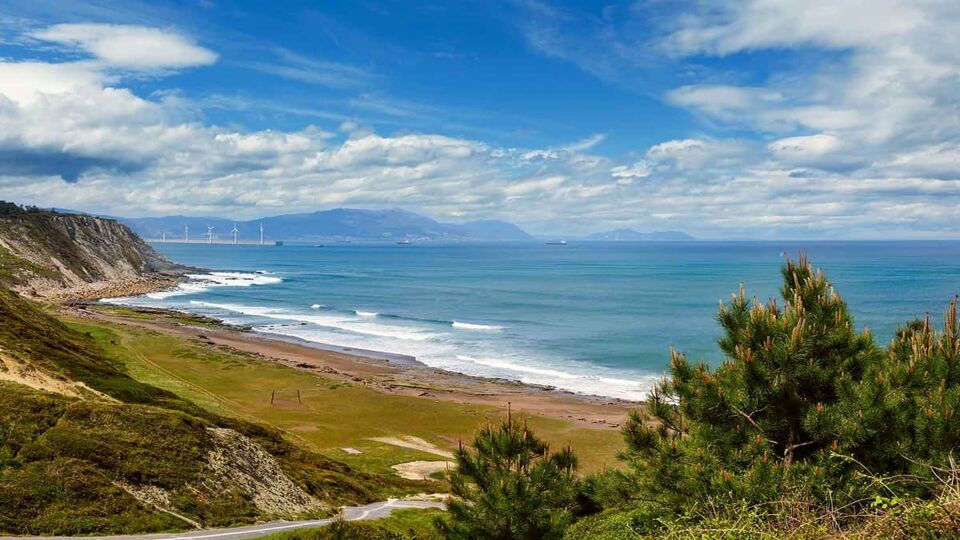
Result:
<point x="594" y="318"/>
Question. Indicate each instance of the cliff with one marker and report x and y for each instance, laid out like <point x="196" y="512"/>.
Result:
<point x="54" y="255"/>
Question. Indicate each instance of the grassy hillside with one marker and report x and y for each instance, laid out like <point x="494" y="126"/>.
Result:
<point x="107" y="453"/>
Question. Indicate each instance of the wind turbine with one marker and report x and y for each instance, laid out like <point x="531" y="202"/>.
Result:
<point x="261" y="233"/>
<point x="209" y="234"/>
<point x="235" y="233"/>
<point x="186" y="234"/>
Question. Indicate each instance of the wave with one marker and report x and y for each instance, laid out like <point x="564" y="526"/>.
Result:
<point x="633" y="389"/>
<point x="203" y="282"/>
<point x="477" y="327"/>
<point x="466" y="347"/>
<point x="348" y="324"/>
<point x="236" y="279"/>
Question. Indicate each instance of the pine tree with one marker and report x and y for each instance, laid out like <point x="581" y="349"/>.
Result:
<point x="902" y="416"/>
<point x="736" y="429"/>
<point x="509" y="486"/>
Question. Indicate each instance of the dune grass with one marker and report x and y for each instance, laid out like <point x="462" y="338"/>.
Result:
<point x="330" y="414"/>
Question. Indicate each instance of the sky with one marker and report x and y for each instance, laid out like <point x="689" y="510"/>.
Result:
<point x="761" y="119"/>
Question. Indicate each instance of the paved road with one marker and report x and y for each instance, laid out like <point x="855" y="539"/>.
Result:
<point x="352" y="513"/>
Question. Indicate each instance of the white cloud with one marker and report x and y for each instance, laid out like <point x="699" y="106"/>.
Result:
<point x="587" y="143"/>
<point x="626" y="173"/>
<point x="827" y="167"/>
<point x="128" y="46"/>
<point x="756" y="24"/>
<point x="723" y="100"/>
<point x="701" y="155"/>
<point x="805" y="148"/>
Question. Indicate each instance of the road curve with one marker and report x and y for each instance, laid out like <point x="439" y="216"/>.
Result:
<point x="351" y="513"/>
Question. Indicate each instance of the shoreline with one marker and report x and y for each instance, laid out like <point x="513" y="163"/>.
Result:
<point x="383" y="371"/>
<point x="99" y="290"/>
<point x="187" y="276"/>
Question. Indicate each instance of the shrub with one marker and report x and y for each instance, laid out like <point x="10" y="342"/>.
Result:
<point x="510" y="486"/>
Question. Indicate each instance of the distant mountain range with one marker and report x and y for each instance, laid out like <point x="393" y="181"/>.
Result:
<point x="360" y="225"/>
<point x="630" y="235"/>
<point x="338" y="224"/>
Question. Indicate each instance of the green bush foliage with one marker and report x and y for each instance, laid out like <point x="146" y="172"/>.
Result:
<point x="803" y="427"/>
<point x="67" y="496"/>
<point x="511" y="486"/>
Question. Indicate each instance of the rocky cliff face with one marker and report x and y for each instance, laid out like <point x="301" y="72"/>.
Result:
<point x="47" y="254"/>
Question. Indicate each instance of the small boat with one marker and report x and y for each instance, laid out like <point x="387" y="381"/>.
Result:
<point x="403" y="242"/>
<point x="557" y="243"/>
<point x="318" y="245"/>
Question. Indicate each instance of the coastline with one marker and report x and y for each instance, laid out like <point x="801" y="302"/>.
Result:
<point x="382" y="371"/>
<point x="103" y="289"/>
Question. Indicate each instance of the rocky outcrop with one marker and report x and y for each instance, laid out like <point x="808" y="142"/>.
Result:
<point x="234" y="464"/>
<point x="45" y="253"/>
<point x="236" y="461"/>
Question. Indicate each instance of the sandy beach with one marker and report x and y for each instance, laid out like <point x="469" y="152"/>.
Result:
<point x="398" y="376"/>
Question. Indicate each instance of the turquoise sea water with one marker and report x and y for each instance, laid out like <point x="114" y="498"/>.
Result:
<point x="596" y="318"/>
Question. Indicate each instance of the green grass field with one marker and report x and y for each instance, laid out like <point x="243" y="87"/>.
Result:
<point x="330" y="414"/>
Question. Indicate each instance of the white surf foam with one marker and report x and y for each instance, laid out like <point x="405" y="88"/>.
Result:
<point x="441" y="352"/>
<point x="470" y="348"/>
<point x="203" y="282"/>
<point x="581" y="379"/>
<point x="235" y="279"/>
<point x="359" y="325"/>
<point x="477" y="327"/>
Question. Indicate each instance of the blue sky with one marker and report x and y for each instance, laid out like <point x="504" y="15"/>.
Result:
<point x="745" y="119"/>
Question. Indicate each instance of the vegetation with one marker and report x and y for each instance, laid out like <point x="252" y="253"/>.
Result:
<point x="510" y="486"/>
<point x="42" y="248"/>
<point x="808" y="429"/>
<point x="65" y="462"/>
<point x="238" y="385"/>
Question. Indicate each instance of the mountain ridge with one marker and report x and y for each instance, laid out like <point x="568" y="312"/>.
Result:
<point x="334" y="224"/>
<point x="631" y="235"/>
<point x="363" y="225"/>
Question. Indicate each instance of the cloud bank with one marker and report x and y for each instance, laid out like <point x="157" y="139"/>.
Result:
<point x="865" y="143"/>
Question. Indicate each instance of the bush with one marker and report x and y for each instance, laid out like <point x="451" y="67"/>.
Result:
<point x="135" y="443"/>
<point x="511" y="486"/>
<point x="70" y="497"/>
<point x="801" y="429"/>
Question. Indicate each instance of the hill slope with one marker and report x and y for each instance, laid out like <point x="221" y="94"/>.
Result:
<point x="85" y="449"/>
<point x="41" y="251"/>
